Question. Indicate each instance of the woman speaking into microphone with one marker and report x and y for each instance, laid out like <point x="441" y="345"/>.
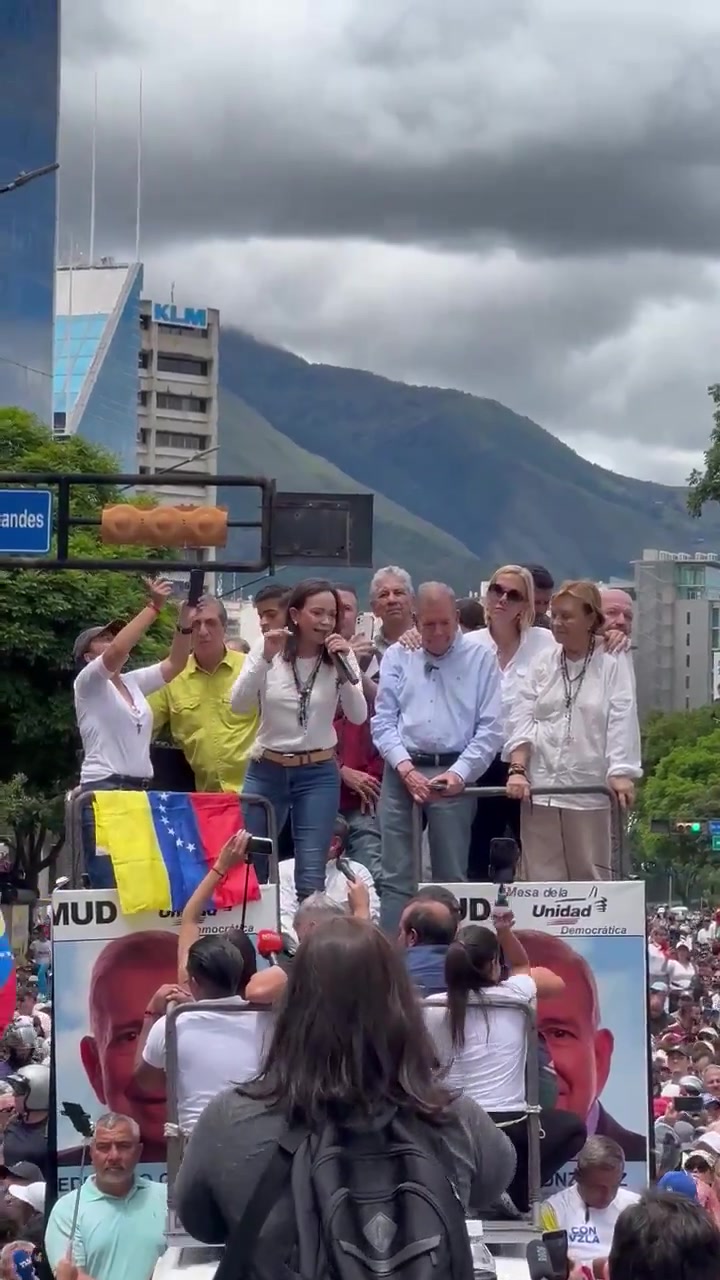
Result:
<point x="113" y="714"/>
<point x="298" y="674"/>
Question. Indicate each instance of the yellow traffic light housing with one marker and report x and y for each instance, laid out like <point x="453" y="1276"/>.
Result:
<point x="182" y="526"/>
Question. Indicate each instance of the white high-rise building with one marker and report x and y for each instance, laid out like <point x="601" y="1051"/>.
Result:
<point x="178" y="396"/>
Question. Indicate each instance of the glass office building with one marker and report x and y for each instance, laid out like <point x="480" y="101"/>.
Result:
<point x="96" y="374"/>
<point x="29" y="89"/>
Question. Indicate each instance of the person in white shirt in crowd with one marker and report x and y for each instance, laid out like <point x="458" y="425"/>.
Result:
<point x="657" y="952"/>
<point x="681" y="971"/>
<point x="337" y="886"/>
<point x="483" y="1049"/>
<point x="573" y="722"/>
<point x="512" y="636"/>
<point x="292" y="674"/>
<point x="121" y="1217"/>
<point x="214" y="1049"/>
<point x="589" y="1209"/>
<point x="437" y="725"/>
<point x="113" y="714"/>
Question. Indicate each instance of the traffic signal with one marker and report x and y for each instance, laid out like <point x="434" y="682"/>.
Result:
<point x="689" y="828"/>
<point x="184" y="526"/>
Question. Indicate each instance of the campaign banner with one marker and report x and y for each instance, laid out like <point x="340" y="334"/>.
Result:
<point x="593" y="936"/>
<point x="106" y="968"/>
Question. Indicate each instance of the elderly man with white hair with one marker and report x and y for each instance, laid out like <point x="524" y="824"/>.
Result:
<point x="437" y="725"/>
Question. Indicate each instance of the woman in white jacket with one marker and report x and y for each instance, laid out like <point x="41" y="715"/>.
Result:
<point x="573" y="723"/>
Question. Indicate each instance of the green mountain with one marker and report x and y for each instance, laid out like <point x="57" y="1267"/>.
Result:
<point x="249" y="445"/>
<point x="500" y="487"/>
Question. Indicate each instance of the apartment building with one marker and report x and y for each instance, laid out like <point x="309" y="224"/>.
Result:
<point x="177" y="424"/>
<point x="677" y="630"/>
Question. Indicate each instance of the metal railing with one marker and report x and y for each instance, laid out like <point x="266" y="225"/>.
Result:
<point x="71" y="862"/>
<point x="497" y="1230"/>
<point x="618" y="845"/>
<point x="173" y="1129"/>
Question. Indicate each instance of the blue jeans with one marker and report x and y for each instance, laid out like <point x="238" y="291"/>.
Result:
<point x="449" y="823"/>
<point x="99" y="871"/>
<point x="363" y="842"/>
<point x="310" y="794"/>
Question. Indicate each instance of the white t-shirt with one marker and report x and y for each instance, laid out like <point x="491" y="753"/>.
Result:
<point x="657" y="962"/>
<point x="215" y="1051"/>
<point x="681" y="976"/>
<point x="590" y="1231"/>
<point x="490" y="1067"/>
<point x="336" y="887"/>
<point x="41" y="950"/>
<point x="115" y="735"/>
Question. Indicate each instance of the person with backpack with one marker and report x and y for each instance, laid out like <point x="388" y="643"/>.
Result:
<point x="347" y="1155"/>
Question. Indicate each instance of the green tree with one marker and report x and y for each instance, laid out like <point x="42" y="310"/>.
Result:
<point x="704" y="486"/>
<point x="662" y="731"/>
<point x="684" y="786"/>
<point x="41" y="614"/>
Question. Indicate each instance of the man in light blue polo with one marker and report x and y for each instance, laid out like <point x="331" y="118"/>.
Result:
<point x="120" y="1232"/>
<point x="437" y="725"/>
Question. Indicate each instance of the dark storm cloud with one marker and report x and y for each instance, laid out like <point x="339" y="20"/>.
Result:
<point x="520" y="199"/>
<point x="405" y="153"/>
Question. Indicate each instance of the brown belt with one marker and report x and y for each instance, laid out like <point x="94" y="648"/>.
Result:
<point x="292" y="759"/>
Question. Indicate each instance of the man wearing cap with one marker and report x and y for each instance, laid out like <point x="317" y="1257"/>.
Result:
<point x="677" y="1059"/>
<point x="113" y="715"/>
<point x="658" y="1017"/>
<point x="25" y="1205"/>
<point x="26" y="1136"/>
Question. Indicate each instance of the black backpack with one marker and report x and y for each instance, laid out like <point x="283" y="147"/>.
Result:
<point x="371" y="1203"/>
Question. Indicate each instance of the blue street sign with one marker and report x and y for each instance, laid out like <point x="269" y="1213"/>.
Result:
<point x="25" y="522"/>
<point x="714" y="827"/>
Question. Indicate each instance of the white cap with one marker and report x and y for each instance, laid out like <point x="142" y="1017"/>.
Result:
<point x="32" y="1194"/>
<point x="670" y="1090"/>
<point x="709" y="1139"/>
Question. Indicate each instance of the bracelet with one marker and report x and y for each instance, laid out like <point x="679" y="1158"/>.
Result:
<point x="155" y="608"/>
<point x="150" y="1013"/>
<point x="184" y="631"/>
<point x="220" y="874"/>
<point x="517" y="771"/>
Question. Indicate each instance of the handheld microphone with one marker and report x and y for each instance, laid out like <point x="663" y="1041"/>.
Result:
<point x="269" y="944"/>
<point x="23" y="1264"/>
<point x="344" y="866"/>
<point x="343" y="668"/>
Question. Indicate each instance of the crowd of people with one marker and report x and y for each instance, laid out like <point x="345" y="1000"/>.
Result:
<point x="389" y="1029"/>
<point x="320" y="720"/>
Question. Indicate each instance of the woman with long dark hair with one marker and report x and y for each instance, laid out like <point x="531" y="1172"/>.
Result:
<point x="484" y="1049"/>
<point x="291" y="672"/>
<point x="349" y="1044"/>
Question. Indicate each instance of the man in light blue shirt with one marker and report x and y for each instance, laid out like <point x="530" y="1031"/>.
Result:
<point x="438" y="725"/>
<point x="120" y="1232"/>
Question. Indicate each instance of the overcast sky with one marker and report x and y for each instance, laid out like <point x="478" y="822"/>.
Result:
<point x="520" y="198"/>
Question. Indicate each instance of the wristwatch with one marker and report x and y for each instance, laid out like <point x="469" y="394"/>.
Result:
<point x="184" y="631"/>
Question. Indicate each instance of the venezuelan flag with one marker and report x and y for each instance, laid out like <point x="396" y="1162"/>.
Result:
<point x="7" y="978"/>
<point x="163" y="843"/>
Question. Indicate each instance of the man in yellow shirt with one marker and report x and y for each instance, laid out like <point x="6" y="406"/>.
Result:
<point x="195" y="707"/>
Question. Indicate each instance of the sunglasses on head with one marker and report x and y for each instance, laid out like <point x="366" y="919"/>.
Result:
<point x="511" y="594"/>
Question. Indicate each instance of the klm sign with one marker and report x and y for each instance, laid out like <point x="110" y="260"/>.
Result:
<point x="188" y="317"/>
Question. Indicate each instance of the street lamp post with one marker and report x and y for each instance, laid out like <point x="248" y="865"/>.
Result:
<point x="23" y="178"/>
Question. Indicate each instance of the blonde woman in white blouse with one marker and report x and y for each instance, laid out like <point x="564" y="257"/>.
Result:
<point x="292" y="674"/>
<point x="510" y="634"/>
<point x="573" y="722"/>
